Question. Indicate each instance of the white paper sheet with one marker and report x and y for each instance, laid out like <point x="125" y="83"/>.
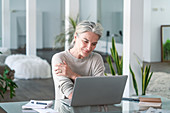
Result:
<point x="47" y="110"/>
<point x="37" y="104"/>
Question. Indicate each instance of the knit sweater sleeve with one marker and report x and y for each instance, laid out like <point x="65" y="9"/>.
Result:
<point x="98" y="65"/>
<point x="63" y="84"/>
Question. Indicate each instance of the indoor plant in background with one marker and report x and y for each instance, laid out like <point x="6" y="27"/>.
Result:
<point x="145" y="70"/>
<point x="115" y="57"/>
<point x="146" y="77"/>
<point x="6" y="81"/>
<point x="61" y="37"/>
<point x="166" y="50"/>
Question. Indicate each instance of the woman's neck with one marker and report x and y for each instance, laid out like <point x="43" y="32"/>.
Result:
<point x="74" y="53"/>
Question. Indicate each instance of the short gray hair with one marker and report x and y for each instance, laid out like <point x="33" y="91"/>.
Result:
<point x="88" y="26"/>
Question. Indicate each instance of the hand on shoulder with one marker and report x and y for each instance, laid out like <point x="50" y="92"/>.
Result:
<point x="62" y="69"/>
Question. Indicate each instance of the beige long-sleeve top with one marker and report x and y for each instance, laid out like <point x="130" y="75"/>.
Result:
<point x="91" y="65"/>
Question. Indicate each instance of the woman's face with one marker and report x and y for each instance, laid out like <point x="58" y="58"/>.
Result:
<point x="85" y="43"/>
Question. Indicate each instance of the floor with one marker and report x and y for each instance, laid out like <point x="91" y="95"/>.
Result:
<point x="160" y="67"/>
<point x="38" y="89"/>
<point x="43" y="89"/>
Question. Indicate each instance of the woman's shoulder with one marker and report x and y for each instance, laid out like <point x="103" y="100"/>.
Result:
<point x="59" y="54"/>
<point x="58" y="57"/>
<point x="96" y="55"/>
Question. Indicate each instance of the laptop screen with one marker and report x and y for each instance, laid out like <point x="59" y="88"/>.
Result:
<point x="98" y="90"/>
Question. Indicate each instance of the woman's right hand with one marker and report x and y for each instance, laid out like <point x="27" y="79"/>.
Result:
<point x="62" y="69"/>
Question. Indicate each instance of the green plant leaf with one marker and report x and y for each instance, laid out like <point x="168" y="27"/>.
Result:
<point x="7" y="83"/>
<point x="1" y="94"/>
<point x="149" y="79"/>
<point x="118" y="62"/>
<point x="121" y="65"/>
<point x="69" y="32"/>
<point x="145" y="73"/>
<point x="144" y="79"/>
<point x="109" y="61"/>
<point x="115" y="56"/>
<point x="134" y="81"/>
<point x="60" y="39"/>
<point x="72" y="22"/>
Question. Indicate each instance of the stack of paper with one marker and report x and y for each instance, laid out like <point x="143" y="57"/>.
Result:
<point x="153" y="110"/>
<point x="47" y="110"/>
<point x="32" y="104"/>
<point x="145" y="103"/>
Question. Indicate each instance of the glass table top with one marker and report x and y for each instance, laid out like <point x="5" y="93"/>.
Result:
<point x="123" y="107"/>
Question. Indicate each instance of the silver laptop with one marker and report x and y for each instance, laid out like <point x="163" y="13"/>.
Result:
<point x="97" y="90"/>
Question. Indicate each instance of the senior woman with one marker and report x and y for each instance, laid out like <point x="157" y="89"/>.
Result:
<point x="79" y="60"/>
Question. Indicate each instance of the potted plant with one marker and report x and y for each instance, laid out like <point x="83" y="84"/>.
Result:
<point x="115" y="57"/>
<point x="70" y="31"/>
<point x="146" y="77"/>
<point x="145" y="70"/>
<point x="6" y="82"/>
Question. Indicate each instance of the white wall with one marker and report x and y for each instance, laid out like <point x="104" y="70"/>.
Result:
<point x="147" y="31"/>
<point x="159" y="17"/>
<point x="51" y="21"/>
<point x="18" y="4"/>
<point x="133" y="38"/>
<point x="112" y="21"/>
<point x="158" y="10"/>
<point x="136" y="38"/>
<point x="88" y="10"/>
<point x="6" y="26"/>
<point x="111" y="16"/>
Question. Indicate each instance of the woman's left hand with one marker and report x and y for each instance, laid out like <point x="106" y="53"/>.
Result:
<point x="62" y="69"/>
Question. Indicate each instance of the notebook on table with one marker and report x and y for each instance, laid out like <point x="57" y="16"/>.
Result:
<point x="101" y="90"/>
